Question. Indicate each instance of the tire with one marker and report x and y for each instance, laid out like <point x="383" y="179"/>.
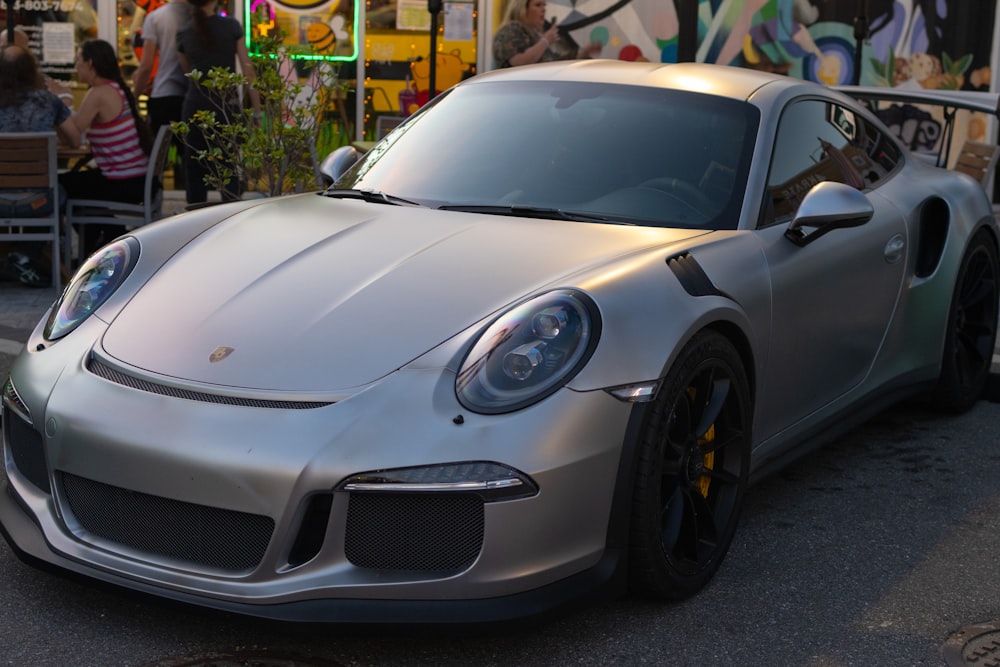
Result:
<point x="972" y="328"/>
<point x="693" y="467"/>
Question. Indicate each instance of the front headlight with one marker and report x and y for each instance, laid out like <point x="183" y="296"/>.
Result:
<point x="93" y="284"/>
<point x="529" y="352"/>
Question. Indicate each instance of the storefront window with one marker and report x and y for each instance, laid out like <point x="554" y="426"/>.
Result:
<point x="129" y="22"/>
<point x="397" y="54"/>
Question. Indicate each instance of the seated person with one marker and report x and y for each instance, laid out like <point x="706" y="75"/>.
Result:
<point x="118" y="137"/>
<point x="26" y="105"/>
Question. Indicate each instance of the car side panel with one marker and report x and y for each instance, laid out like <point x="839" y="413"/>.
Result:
<point x="833" y="302"/>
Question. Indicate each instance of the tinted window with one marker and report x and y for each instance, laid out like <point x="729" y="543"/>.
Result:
<point x="633" y="154"/>
<point x="819" y="141"/>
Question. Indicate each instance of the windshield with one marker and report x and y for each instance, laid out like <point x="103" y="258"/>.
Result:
<point x="580" y="151"/>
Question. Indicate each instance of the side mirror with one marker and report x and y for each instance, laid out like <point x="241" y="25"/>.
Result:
<point x="339" y="161"/>
<point x="828" y="206"/>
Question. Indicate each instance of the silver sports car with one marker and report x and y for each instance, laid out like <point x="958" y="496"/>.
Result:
<point x="534" y="345"/>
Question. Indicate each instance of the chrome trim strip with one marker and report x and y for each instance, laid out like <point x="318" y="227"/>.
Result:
<point x="484" y="485"/>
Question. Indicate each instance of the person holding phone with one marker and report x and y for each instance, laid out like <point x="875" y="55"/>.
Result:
<point x="526" y="38"/>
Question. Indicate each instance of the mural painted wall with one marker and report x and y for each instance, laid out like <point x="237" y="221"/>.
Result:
<point x="931" y="43"/>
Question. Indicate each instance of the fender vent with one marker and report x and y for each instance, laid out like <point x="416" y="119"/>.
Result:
<point x="934" y="221"/>
<point x="691" y="276"/>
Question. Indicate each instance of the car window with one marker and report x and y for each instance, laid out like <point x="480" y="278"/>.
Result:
<point x="633" y="154"/>
<point x="822" y="141"/>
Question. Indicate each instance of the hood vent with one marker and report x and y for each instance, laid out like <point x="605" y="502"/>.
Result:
<point x="102" y="370"/>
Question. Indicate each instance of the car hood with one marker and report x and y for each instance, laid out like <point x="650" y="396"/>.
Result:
<point x="311" y="294"/>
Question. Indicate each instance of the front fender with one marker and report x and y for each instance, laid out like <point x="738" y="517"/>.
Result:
<point x="649" y="311"/>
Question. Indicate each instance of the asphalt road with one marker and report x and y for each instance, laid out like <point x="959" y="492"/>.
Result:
<point x="872" y="551"/>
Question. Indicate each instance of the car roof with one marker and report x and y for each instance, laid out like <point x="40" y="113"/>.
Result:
<point x="734" y="82"/>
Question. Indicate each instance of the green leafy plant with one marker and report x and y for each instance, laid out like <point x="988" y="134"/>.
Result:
<point x="885" y="71"/>
<point x="273" y="152"/>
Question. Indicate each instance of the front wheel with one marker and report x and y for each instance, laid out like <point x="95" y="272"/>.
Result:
<point x="693" y="468"/>
<point x="972" y="328"/>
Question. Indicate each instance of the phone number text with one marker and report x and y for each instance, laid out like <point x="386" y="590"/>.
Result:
<point x="44" y="5"/>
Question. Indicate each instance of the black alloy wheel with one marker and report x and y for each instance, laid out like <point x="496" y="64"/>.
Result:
<point x="692" y="471"/>
<point x="972" y="328"/>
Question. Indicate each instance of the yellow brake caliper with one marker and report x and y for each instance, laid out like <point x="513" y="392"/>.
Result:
<point x="705" y="481"/>
<point x="709" y="458"/>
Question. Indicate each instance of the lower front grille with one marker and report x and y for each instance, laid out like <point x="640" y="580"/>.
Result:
<point x="198" y="534"/>
<point x="413" y="531"/>
<point x="27" y="449"/>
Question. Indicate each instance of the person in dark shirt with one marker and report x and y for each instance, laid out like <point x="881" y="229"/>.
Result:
<point x="210" y="41"/>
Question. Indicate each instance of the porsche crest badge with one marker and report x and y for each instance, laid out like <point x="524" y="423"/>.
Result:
<point x="219" y="353"/>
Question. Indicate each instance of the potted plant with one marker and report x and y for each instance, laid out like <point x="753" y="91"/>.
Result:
<point x="278" y="146"/>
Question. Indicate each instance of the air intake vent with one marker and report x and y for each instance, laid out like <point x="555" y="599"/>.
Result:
<point x="414" y="531"/>
<point x="27" y="449"/>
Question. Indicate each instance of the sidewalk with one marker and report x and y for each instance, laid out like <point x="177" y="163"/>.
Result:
<point x="20" y="310"/>
<point x="173" y="202"/>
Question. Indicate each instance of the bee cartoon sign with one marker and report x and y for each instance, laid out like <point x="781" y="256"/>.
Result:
<point x="311" y="29"/>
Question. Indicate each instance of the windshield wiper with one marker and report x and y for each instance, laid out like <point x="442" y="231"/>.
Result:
<point x="373" y="196"/>
<point x="532" y="212"/>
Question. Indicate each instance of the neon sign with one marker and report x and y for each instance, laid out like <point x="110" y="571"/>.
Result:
<point x="311" y="29"/>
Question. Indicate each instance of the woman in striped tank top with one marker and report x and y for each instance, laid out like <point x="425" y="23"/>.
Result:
<point x="118" y="138"/>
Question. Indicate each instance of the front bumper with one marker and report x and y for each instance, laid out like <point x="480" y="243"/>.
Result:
<point x="241" y="508"/>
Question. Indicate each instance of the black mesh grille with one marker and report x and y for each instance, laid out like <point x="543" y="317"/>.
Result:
<point x="116" y="376"/>
<point x="194" y="533"/>
<point x="27" y="450"/>
<point x="411" y="531"/>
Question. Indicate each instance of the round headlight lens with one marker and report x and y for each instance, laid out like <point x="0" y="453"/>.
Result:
<point x="528" y="352"/>
<point x="93" y="284"/>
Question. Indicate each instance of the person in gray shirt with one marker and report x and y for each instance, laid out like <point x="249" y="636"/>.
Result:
<point x="167" y="87"/>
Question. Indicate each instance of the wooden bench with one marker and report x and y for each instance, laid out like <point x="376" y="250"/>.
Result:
<point x="977" y="160"/>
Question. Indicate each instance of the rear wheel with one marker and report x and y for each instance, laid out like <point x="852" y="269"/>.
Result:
<point x="972" y="328"/>
<point x="692" y="471"/>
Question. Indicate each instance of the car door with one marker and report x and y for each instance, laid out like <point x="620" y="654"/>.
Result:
<point x="833" y="298"/>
